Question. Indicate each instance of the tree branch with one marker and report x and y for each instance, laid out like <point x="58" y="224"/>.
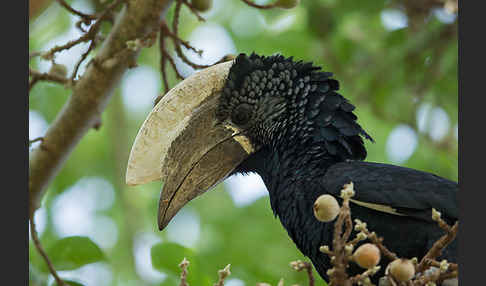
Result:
<point x="92" y="92"/>
<point x="36" y="7"/>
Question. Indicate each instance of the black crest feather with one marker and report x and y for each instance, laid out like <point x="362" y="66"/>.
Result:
<point x="315" y="111"/>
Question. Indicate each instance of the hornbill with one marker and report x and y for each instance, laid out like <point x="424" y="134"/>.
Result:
<point x="285" y="120"/>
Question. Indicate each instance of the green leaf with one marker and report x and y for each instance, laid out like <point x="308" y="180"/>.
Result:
<point x="73" y="252"/>
<point x="167" y="256"/>
<point x="169" y="281"/>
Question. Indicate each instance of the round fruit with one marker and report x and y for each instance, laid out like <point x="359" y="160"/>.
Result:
<point x="402" y="269"/>
<point x="326" y="208"/>
<point x="367" y="256"/>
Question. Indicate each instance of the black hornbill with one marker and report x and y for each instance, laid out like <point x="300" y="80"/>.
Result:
<point x="285" y="120"/>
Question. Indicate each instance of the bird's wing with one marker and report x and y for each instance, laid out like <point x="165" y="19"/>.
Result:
<point x="394" y="189"/>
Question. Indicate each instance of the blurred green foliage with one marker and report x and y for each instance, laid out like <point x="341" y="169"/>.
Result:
<point x="387" y="74"/>
<point x="72" y="252"/>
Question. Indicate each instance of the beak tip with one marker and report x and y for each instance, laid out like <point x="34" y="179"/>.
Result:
<point x="161" y="218"/>
<point x="162" y="224"/>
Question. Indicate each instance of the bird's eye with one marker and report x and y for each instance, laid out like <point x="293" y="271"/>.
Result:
<point x="241" y="114"/>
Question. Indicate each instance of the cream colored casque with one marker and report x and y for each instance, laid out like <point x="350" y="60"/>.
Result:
<point x="180" y="143"/>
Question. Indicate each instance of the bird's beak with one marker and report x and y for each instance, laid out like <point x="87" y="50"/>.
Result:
<point x="181" y="143"/>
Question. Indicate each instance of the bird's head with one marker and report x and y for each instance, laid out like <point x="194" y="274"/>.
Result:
<point x="209" y="123"/>
<point x="254" y="99"/>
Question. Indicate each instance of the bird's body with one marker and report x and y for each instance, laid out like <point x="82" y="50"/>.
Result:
<point x="323" y="150"/>
<point x="292" y="199"/>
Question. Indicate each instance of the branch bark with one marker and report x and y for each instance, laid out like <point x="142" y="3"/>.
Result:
<point x="36" y="7"/>
<point x="92" y="91"/>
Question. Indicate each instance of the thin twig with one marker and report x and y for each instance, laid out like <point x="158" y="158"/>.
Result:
<point x="378" y="241"/>
<point x="90" y="35"/>
<point x="49" y="54"/>
<point x="340" y="262"/>
<point x="36" y="140"/>
<point x="86" y="17"/>
<point x="222" y="274"/>
<point x="363" y="276"/>
<point x="37" y="76"/>
<point x="436" y="249"/>
<point x="35" y="239"/>
<point x="225" y="58"/>
<point x="163" y="62"/>
<point x="177" y="40"/>
<point x="183" y="265"/>
<point x="93" y="32"/>
<point x="172" y="63"/>
<point x="165" y="56"/>
<point x="186" y="44"/>
<point x="194" y="10"/>
<point x="299" y="265"/>
<point x="83" y="57"/>
<point x="34" y="54"/>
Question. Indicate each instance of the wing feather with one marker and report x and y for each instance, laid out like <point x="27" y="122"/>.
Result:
<point x="404" y="190"/>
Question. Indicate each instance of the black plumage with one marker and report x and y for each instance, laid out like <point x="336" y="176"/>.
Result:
<point x="308" y="143"/>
